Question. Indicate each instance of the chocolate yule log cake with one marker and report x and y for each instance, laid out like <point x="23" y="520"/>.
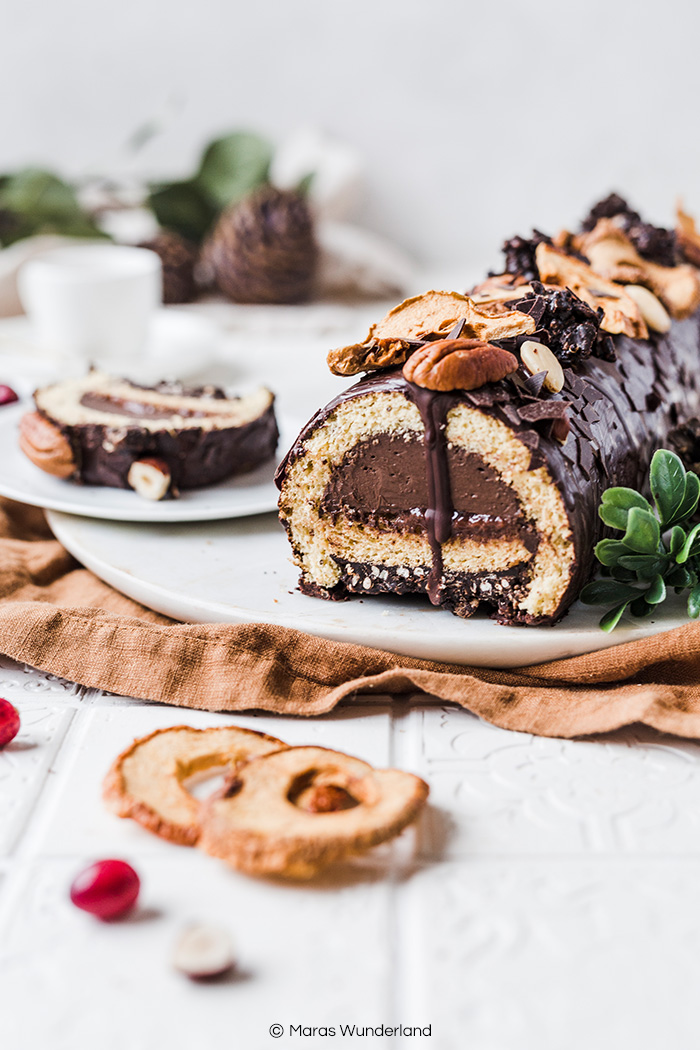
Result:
<point x="100" y="430"/>
<point x="468" y="463"/>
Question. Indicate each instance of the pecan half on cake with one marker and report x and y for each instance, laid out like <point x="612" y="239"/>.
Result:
<point x="468" y="464"/>
<point x="101" y="430"/>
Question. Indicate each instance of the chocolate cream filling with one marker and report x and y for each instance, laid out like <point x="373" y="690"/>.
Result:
<point x="383" y="482"/>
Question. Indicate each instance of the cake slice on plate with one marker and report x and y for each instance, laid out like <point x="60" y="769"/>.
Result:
<point x="101" y="430"/>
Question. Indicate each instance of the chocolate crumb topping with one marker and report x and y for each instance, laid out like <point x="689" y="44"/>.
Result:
<point x="652" y="242"/>
<point x="568" y="326"/>
<point x="520" y="255"/>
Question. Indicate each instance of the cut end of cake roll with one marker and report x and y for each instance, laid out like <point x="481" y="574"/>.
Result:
<point x="470" y="464"/>
<point x="356" y="502"/>
<point x="99" y="429"/>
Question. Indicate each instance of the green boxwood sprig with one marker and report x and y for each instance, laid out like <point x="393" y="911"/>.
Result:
<point x="659" y="548"/>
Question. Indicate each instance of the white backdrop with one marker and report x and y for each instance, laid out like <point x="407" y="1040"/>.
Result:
<point x="476" y="120"/>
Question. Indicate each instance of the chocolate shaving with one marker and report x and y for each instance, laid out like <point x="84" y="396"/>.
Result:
<point x="529" y="387"/>
<point x="536" y="411"/>
<point x="533" y="384"/>
<point x="586" y="458"/>
<point x="559" y="429"/>
<point x="570" y="452"/>
<point x="458" y="329"/>
<point x="530" y="438"/>
<point x="576" y="385"/>
<point x="512" y="414"/>
<point x="535" y="307"/>
<point x="486" y="396"/>
<point x="582" y="425"/>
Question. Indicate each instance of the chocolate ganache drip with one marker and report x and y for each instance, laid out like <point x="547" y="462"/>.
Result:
<point x="433" y="409"/>
<point x="438" y="518"/>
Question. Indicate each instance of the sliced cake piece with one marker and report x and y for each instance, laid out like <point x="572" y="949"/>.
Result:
<point x="101" y="430"/>
<point x="372" y="508"/>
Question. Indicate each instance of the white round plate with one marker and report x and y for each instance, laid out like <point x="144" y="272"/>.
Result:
<point x="251" y="493"/>
<point x="241" y="572"/>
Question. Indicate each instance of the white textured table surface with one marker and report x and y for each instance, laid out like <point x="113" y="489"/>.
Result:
<point x="548" y="900"/>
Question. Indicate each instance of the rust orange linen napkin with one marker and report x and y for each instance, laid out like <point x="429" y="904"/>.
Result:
<point x="59" y="617"/>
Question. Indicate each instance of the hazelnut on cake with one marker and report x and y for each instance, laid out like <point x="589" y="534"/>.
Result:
<point x="469" y="461"/>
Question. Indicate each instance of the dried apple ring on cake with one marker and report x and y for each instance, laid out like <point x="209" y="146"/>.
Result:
<point x="294" y="811"/>
<point x="147" y="781"/>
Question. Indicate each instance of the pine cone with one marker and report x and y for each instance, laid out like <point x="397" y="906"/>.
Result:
<point x="178" y="257"/>
<point x="263" y="249"/>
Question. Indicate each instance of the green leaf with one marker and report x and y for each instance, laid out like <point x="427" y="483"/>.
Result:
<point x="691" y="545"/>
<point x="232" y="167"/>
<point x="656" y="592"/>
<point x="608" y="552"/>
<point x="616" y="505"/>
<point x="643" y="533"/>
<point x="676" y="539"/>
<point x="304" y="185"/>
<point x="690" y="497"/>
<point x="600" y="592"/>
<point x="611" y="619"/>
<point x="640" y="556"/>
<point x="182" y="207"/>
<point x="639" y="607"/>
<point x="680" y="577"/>
<point x="33" y="201"/>
<point x="667" y="477"/>
<point x="648" y="565"/>
<point x="618" y="572"/>
<point x="143" y="134"/>
<point x="36" y="192"/>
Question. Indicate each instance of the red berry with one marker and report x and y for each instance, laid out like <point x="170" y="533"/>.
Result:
<point x="107" y="889"/>
<point x="9" y="722"/>
<point x="7" y="395"/>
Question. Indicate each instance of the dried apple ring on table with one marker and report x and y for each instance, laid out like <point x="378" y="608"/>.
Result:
<point x="292" y="812"/>
<point x="147" y="781"/>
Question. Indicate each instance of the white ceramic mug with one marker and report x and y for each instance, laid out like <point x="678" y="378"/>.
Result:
<point x="92" y="301"/>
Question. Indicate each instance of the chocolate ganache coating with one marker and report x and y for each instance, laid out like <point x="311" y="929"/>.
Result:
<point x="613" y="415"/>
<point x="196" y="457"/>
